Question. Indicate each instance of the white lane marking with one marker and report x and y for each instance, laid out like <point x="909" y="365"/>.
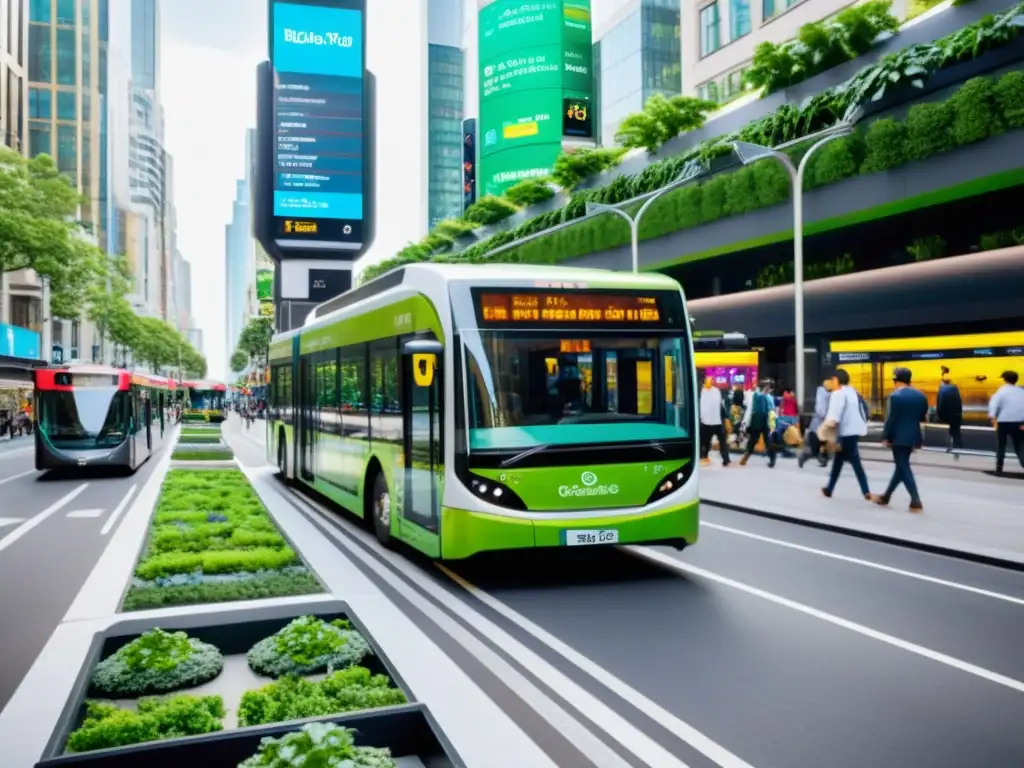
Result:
<point x="15" y="477"/>
<point x="865" y="563"/>
<point x="710" y="749"/>
<point x="121" y="506"/>
<point x="874" y="634"/>
<point x="592" y="708"/>
<point x="85" y="514"/>
<point x="10" y="521"/>
<point x="32" y="522"/>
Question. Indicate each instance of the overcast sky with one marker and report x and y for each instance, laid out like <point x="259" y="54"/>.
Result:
<point x="210" y="50"/>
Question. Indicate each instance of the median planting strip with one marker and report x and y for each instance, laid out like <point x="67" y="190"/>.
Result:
<point x="211" y="540"/>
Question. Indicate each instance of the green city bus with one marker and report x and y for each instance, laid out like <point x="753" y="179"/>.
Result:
<point x="465" y="408"/>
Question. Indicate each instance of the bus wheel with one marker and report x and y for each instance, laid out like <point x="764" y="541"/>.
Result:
<point x="281" y="460"/>
<point x="381" y="508"/>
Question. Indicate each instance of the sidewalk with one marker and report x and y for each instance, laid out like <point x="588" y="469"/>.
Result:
<point x="974" y="516"/>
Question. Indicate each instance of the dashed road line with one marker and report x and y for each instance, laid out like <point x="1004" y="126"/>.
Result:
<point x="17" y="476"/>
<point x="32" y="522"/>
<point x="118" y="511"/>
<point x="85" y="514"/>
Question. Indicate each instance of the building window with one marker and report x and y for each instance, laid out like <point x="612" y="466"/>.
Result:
<point x="40" y="11"/>
<point x="86" y="60"/>
<point x="67" y="150"/>
<point x="66" y="12"/>
<point x="40" y="104"/>
<point x="67" y="47"/>
<point x="710" y="36"/>
<point x="40" y="139"/>
<point x="67" y="109"/>
<point x="76" y="337"/>
<point x="739" y="18"/>
<point x="39" y="68"/>
<point x="86" y="107"/>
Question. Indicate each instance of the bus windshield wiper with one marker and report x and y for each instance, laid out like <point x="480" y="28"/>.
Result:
<point x="524" y="454"/>
<point x="656" y="446"/>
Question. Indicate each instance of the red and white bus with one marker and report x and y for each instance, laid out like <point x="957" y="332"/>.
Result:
<point x="97" y="416"/>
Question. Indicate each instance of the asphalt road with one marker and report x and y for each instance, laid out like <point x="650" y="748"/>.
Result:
<point x="52" y="531"/>
<point x="787" y="646"/>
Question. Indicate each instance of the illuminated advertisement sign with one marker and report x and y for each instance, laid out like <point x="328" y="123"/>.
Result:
<point x="264" y="285"/>
<point x="536" y="85"/>
<point x="318" y="54"/>
<point x="567" y="308"/>
<point x="468" y="163"/>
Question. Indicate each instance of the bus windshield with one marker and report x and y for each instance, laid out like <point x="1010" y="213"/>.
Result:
<point x="206" y="399"/>
<point x="96" y="417"/>
<point x="538" y="388"/>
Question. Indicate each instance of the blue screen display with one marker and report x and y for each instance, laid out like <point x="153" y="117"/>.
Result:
<point x="318" y="71"/>
<point x="19" y="342"/>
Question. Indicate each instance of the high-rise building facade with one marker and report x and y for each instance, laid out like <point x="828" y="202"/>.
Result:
<point x="637" y="55"/>
<point x="239" y="264"/>
<point x="445" y="110"/>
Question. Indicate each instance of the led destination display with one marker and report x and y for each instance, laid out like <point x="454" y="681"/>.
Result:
<point x="318" y="59"/>
<point x="568" y="308"/>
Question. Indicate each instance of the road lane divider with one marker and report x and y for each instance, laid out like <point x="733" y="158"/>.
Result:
<point x="32" y="522"/>
<point x="118" y="510"/>
<point x="11" y="521"/>
<point x="864" y="563"/>
<point x="589" y="706"/>
<point x="671" y="563"/>
<point x="85" y="514"/>
<point x="17" y="476"/>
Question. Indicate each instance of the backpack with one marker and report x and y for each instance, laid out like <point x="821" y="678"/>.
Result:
<point x="760" y="409"/>
<point x="865" y="412"/>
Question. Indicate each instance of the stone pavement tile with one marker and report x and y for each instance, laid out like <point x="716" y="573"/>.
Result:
<point x="965" y="512"/>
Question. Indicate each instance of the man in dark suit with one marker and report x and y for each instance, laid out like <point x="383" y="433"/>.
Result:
<point x="908" y="407"/>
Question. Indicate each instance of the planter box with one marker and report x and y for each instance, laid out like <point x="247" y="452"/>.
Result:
<point x="409" y="731"/>
<point x="405" y="729"/>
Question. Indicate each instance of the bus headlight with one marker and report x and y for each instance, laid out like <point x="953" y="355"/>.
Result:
<point x="671" y="482"/>
<point x="494" y="492"/>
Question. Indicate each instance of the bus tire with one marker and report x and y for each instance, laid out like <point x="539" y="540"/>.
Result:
<point x="282" y="457"/>
<point x="380" y="509"/>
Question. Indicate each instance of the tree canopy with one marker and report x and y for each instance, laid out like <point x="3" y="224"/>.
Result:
<point x="253" y="344"/>
<point x="39" y="231"/>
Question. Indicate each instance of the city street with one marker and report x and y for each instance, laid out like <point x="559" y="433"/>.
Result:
<point x="779" y="644"/>
<point x="52" y="531"/>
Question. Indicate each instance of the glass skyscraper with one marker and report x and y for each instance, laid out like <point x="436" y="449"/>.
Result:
<point x="637" y="58"/>
<point x="445" y="107"/>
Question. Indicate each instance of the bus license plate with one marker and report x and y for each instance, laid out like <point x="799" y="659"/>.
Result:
<point x="589" y="538"/>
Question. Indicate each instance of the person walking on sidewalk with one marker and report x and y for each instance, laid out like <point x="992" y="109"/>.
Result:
<point x="848" y="414"/>
<point x="758" y="422"/>
<point x="814" y="447"/>
<point x="1006" y="409"/>
<point x="908" y="407"/>
<point x="712" y="410"/>
<point x="949" y="409"/>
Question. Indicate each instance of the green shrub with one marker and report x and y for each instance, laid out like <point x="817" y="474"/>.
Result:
<point x="838" y="160"/>
<point x="929" y="130"/>
<point x="259" y="588"/>
<point x="294" y="698"/>
<point x="215" y="561"/>
<point x="489" y="210"/>
<point x="189" y="437"/>
<point x="575" y="166"/>
<point x="207" y="455"/>
<point x="157" y="662"/>
<point x="106" y="726"/>
<point x="771" y="183"/>
<point x="740" y="192"/>
<point x="1010" y="97"/>
<point x="712" y="199"/>
<point x="308" y="646"/>
<point x="318" y="744"/>
<point x="529" y="192"/>
<point x="975" y="110"/>
<point x="885" y="146"/>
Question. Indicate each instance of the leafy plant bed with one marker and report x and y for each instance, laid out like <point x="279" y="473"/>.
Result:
<point x="202" y="721"/>
<point x="189" y="437"/>
<point x="212" y="540"/>
<point x="203" y="453"/>
<point x="408" y="732"/>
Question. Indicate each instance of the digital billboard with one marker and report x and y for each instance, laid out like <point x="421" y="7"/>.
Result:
<point x="264" y="285"/>
<point x="468" y="163"/>
<point x="318" y="55"/>
<point x="536" y="85"/>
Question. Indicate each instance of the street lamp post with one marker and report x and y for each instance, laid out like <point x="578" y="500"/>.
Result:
<point x="748" y="154"/>
<point x="687" y="176"/>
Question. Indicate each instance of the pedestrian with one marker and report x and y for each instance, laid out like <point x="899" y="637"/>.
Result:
<point x="949" y="410"/>
<point x="848" y="414"/>
<point x="814" y="447"/>
<point x="1006" y="409"/>
<point x="758" y="420"/>
<point x="712" y="408"/>
<point x="908" y="407"/>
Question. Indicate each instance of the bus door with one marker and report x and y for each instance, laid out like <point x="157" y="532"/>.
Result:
<point x="307" y="403"/>
<point x="423" y="417"/>
<point x="148" y="408"/>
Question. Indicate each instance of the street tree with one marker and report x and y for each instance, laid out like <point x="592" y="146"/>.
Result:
<point x="239" y="361"/>
<point x="254" y="342"/>
<point x="38" y="230"/>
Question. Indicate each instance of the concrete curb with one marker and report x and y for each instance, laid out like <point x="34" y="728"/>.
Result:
<point x="995" y="560"/>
